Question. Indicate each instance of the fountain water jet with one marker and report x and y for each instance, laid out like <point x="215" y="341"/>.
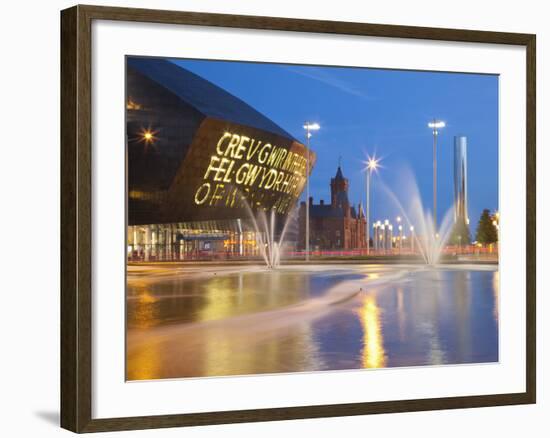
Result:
<point x="429" y="239"/>
<point x="265" y="228"/>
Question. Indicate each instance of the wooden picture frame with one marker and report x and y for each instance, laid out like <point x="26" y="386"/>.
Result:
<point x="76" y="217"/>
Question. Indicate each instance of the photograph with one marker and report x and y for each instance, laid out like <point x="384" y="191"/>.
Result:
<point x="285" y="218"/>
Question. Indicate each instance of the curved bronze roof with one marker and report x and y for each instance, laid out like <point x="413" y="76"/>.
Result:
<point x="203" y="95"/>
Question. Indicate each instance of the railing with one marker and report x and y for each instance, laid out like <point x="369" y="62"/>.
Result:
<point x="454" y="250"/>
<point x="161" y="253"/>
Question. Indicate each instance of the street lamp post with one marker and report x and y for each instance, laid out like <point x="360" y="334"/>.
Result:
<point x="412" y="239"/>
<point x="308" y="126"/>
<point x="372" y="164"/>
<point x="400" y="238"/>
<point x="435" y="125"/>
<point x="375" y="236"/>
<point x="367" y="212"/>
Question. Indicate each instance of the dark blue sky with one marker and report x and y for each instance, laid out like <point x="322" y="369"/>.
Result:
<point x="377" y="111"/>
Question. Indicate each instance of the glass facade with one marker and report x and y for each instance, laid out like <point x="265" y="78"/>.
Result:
<point x="179" y="242"/>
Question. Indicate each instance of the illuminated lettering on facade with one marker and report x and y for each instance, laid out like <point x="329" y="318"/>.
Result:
<point x="266" y="175"/>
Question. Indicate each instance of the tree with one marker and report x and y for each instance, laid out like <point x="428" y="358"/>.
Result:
<point x="486" y="232"/>
<point x="460" y="234"/>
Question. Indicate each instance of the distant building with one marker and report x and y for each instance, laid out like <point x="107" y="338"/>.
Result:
<point x="461" y="179"/>
<point x="337" y="225"/>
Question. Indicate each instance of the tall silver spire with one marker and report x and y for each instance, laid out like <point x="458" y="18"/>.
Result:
<point x="461" y="179"/>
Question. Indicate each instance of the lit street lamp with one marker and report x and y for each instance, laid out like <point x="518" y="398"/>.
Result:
<point x="308" y="126"/>
<point x="435" y="125"/>
<point x="376" y="237"/>
<point x="400" y="228"/>
<point x="372" y="165"/>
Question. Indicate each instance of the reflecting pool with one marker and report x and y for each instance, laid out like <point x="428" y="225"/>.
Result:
<point x="219" y="322"/>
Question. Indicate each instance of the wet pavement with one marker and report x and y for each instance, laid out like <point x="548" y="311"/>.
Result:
<point x="209" y="322"/>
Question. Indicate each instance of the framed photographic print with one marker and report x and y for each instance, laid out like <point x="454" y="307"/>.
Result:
<point x="268" y="218"/>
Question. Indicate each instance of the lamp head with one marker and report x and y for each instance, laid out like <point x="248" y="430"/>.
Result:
<point x="436" y="124"/>
<point x="312" y="126"/>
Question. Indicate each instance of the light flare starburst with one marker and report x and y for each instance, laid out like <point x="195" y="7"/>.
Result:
<point x="372" y="163"/>
<point x="147" y="136"/>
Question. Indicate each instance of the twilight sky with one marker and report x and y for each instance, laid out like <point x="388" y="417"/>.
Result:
<point x="373" y="111"/>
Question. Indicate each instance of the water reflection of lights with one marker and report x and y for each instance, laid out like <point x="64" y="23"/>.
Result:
<point x="236" y="352"/>
<point x="227" y="296"/>
<point x="401" y="314"/>
<point x="220" y="303"/>
<point x="145" y="363"/>
<point x="436" y="354"/>
<point x="374" y="355"/>
<point x="496" y="295"/>
<point x="143" y="313"/>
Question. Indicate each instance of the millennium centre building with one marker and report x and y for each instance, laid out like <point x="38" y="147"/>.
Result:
<point x="200" y="164"/>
